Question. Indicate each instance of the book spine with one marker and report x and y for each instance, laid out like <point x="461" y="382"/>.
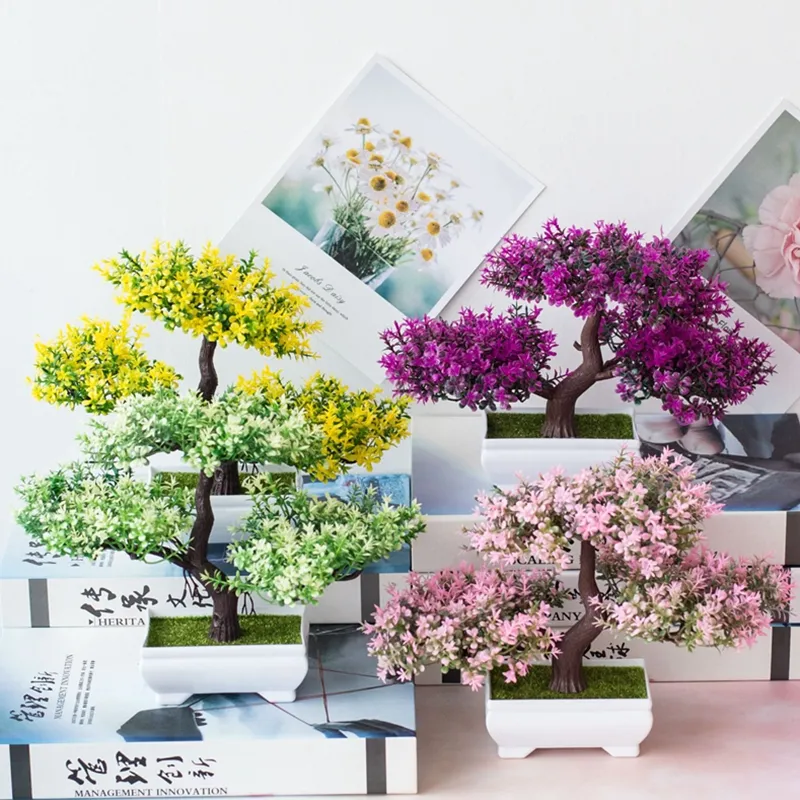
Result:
<point x="342" y="766"/>
<point x="126" y="602"/>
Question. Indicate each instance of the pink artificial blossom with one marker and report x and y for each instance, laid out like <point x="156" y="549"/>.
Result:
<point x="642" y="519"/>
<point x="775" y="242"/>
<point x="467" y="619"/>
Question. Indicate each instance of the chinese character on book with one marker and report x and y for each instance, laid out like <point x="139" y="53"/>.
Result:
<point x="39" y="558"/>
<point x="85" y="771"/>
<point x="128" y="769"/>
<point x="135" y="770"/>
<point x="140" y="600"/>
<point x="197" y="595"/>
<point x="36" y="700"/>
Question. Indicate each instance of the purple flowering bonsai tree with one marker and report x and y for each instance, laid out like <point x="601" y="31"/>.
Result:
<point x="635" y="522"/>
<point x="651" y="321"/>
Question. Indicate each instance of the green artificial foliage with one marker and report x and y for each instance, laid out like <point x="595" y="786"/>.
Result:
<point x="193" y="631"/>
<point x="602" y="683"/>
<point x="188" y="480"/>
<point x="355" y="248"/>
<point x="515" y="425"/>
<point x="292" y="546"/>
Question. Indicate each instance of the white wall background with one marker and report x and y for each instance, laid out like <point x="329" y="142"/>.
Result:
<point x="122" y="121"/>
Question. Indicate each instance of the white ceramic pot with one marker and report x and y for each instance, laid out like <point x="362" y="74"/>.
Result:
<point x="503" y="459"/>
<point x="272" y="670"/>
<point x="617" y="726"/>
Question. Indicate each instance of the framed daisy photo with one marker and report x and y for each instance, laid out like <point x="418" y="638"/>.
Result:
<point x="384" y="211"/>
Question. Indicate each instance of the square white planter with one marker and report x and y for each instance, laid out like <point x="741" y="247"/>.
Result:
<point x="503" y="459"/>
<point x="617" y="726"/>
<point x="272" y="670"/>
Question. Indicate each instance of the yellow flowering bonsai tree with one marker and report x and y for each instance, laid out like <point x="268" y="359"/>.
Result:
<point x="293" y="545"/>
<point x="222" y="300"/>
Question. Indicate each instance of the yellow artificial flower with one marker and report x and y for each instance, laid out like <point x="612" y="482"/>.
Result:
<point x="222" y="298"/>
<point x="358" y="427"/>
<point x="96" y="364"/>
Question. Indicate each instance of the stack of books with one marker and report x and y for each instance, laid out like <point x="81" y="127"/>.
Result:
<point x="77" y="720"/>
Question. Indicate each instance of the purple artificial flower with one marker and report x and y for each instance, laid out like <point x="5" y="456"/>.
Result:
<point x="479" y="360"/>
<point x="662" y="328"/>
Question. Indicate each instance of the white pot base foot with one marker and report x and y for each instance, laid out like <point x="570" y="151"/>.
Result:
<point x="172" y="699"/>
<point x="631" y="751"/>
<point x="279" y="697"/>
<point x="514" y="752"/>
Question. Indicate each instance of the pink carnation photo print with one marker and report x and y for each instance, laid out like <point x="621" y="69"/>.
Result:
<point x="750" y="224"/>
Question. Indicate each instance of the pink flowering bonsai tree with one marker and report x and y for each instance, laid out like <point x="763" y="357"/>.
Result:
<point x="651" y="321"/>
<point x="637" y="523"/>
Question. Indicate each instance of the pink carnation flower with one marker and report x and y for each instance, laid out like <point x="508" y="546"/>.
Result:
<point x="775" y="243"/>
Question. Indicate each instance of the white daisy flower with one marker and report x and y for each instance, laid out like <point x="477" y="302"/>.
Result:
<point x="455" y="223"/>
<point x="350" y="158"/>
<point x="378" y="188"/>
<point x="433" y="233"/>
<point x="327" y="188"/>
<point x="384" y="222"/>
<point x="403" y="145"/>
<point x="476" y="215"/>
<point x="362" y="126"/>
<point x="372" y="161"/>
<point x="401" y="207"/>
<point x="434" y="161"/>
<point x="318" y="160"/>
<point x="400" y="179"/>
<point x="421" y="200"/>
<point x="427" y="255"/>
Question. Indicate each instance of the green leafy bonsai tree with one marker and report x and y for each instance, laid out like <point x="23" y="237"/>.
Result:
<point x="292" y="546"/>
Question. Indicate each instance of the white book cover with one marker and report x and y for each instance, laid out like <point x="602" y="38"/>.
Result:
<point x="76" y="720"/>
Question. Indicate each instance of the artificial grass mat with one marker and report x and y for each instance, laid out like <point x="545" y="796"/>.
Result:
<point x="188" y="480"/>
<point x="602" y="683"/>
<point x="193" y="631"/>
<point x="516" y="425"/>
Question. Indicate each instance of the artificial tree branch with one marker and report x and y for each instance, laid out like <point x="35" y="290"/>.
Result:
<point x="560" y="410"/>
<point x="225" y="619"/>
<point x="208" y="374"/>
<point x="567" y="676"/>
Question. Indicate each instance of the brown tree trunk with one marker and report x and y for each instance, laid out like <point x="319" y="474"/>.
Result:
<point x="559" y="415"/>
<point x="226" y="479"/>
<point x="225" y="618"/>
<point x="208" y="375"/>
<point x="567" y="675"/>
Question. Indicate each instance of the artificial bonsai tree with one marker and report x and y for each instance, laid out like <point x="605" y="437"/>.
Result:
<point x="637" y="522"/>
<point x="96" y="503"/>
<point x="221" y="300"/>
<point x="651" y="321"/>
